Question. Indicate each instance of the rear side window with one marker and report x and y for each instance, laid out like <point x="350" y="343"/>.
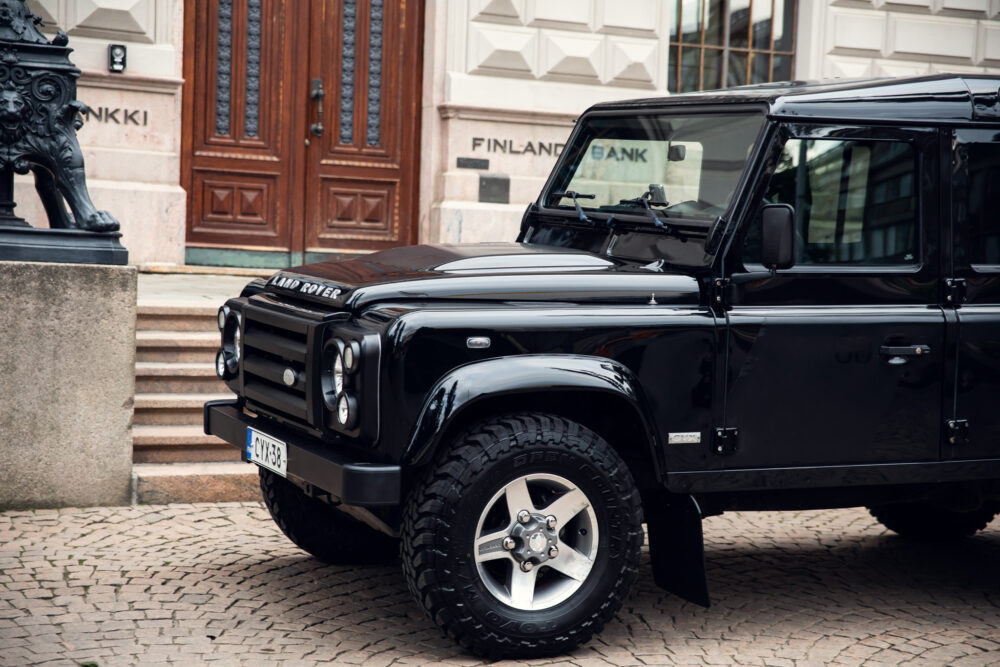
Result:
<point x="982" y="206"/>
<point x="855" y="202"/>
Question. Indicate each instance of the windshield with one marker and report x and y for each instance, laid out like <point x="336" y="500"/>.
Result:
<point x="683" y="165"/>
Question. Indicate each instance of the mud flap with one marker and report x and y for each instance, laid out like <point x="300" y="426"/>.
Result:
<point x="677" y="550"/>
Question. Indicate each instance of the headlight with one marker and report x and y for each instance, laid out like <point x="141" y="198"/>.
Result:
<point x="232" y="338"/>
<point x="342" y="382"/>
<point x="338" y="374"/>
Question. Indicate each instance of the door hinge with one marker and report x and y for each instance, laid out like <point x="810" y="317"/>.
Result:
<point x="722" y="293"/>
<point x="957" y="431"/>
<point x="955" y="291"/>
<point x="725" y="441"/>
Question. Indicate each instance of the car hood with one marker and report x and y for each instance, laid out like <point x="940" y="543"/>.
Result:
<point x="482" y="272"/>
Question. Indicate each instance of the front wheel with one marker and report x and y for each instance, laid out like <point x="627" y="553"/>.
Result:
<point x="524" y="537"/>
<point x="322" y="529"/>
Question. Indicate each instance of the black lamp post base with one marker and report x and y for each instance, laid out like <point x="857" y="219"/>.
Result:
<point x="66" y="246"/>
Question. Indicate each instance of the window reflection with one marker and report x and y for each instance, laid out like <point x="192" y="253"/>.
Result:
<point x="977" y="218"/>
<point x="727" y="43"/>
<point x="855" y="202"/>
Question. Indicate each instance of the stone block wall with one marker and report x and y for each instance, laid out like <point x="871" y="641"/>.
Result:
<point x="67" y="354"/>
<point x="503" y="81"/>
<point x="865" y="38"/>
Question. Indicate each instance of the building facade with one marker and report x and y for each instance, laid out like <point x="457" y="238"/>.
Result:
<point x="271" y="132"/>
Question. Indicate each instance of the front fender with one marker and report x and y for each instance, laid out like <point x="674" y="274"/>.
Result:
<point x="467" y="385"/>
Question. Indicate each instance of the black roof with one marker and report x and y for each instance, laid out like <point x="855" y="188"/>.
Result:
<point x="949" y="98"/>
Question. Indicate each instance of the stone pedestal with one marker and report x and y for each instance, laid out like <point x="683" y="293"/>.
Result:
<point x="67" y="358"/>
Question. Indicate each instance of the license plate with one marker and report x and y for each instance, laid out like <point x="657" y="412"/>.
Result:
<point x="267" y="452"/>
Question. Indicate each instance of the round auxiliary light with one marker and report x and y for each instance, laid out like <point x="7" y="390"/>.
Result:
<point x="349" y="356"/>
<point x="220" y="364"/>
<point x="223" y="313"/>
<point x="343" y="410"/>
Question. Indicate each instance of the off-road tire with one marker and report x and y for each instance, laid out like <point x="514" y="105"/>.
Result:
<point x="439" y="529"/>
<point x="321" y="529"/>
<point x="920" y="521"/>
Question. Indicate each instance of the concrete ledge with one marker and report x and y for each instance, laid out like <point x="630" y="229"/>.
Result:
<point x="161" y="483"/>
<point x="67" y="357"/>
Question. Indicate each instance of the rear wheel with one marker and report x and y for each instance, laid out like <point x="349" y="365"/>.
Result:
<point x="321" y="529"/>
<point x="921" y="521"/>
<point x="524" y="537"/>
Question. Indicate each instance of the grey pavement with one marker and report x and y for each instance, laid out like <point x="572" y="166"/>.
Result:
<point x="177" y="289"/>
<point x="219" y="583"/>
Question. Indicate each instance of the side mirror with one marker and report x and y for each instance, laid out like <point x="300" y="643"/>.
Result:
<point x="778" y="236"/>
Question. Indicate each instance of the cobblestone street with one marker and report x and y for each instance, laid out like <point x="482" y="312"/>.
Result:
<point x="194" y="583"/>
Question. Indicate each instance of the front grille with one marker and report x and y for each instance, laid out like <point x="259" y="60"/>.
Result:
<point x="273" y="344"/>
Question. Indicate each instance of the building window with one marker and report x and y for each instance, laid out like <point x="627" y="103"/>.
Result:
<point x="723" y="43"/>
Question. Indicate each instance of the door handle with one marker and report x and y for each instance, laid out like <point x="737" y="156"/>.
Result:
<point x="317" y="93"/>
<point x="897" y="353"/>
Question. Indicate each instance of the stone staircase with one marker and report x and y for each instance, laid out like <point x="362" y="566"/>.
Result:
<point x="174" y="376"/>
<point x="173" y="460"/>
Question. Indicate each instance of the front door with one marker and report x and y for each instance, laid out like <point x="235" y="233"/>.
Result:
<point x="301" y="128"/>
<point x="839" y="360"/>
<point x="976" y="216"/>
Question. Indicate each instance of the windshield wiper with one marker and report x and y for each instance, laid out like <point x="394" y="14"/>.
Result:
<point x="646" y="202"/>
<point x="574" y="196"/>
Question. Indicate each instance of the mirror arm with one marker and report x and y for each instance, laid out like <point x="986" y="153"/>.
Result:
<point x="751" y="276"/>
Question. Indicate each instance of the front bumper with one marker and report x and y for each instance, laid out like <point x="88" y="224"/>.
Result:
<point x="353" y="482"/>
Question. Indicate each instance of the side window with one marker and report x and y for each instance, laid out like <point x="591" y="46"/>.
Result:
<point x="855" y="202"/>
<point x="981" y="245"/>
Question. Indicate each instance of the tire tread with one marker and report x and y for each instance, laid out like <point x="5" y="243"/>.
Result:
<point x="425" y="522"/>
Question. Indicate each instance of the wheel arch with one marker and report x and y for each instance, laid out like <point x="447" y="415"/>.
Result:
<point x="598" y="393"/>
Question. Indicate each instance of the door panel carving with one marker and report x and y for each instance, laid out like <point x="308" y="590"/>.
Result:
<point x="257" y="177"/>
<point x="375" y="85"/>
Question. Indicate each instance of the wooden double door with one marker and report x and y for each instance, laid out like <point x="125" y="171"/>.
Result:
<point x="301" y="126"/>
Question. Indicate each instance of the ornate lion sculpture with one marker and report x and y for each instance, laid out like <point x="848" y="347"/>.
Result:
<point x="39" y="117"/>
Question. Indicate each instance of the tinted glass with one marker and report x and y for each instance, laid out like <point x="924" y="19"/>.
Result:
<point x="693" y="163"/>
<point x="982" y="205"/>
<point x="855" y="202"/>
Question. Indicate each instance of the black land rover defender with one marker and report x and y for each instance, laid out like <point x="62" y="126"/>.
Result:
<point x="774" y="297"/>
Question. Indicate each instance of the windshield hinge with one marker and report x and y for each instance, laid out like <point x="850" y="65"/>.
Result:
<point x="957" y="431"/>
<point x="725" y="441"/>
<point x="955" y="291"/>
<point x="722" y="293"/>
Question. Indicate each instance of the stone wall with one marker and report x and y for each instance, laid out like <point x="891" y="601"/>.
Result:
<point x="131" y="141"/>
<point x="67" y="353"/>
<point x="865" y="38"/>
<point x="503" y="81"/>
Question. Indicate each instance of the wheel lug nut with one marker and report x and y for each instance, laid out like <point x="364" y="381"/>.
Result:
<point x="553" y="552"/>
<point x="509" y="543"/>
<point x="527" y="566"/>
<point x="550" y="521"/>
<point x="524" y="516"/>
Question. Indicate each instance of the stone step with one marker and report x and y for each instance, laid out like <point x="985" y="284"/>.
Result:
<point x="154" y="377"/>
<point x="176" y="346"/>
<point x="172" y="409"/>
<point x="161" y="483"/>
<point x="176" y="443"/>
<point x="177" y="317"/>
